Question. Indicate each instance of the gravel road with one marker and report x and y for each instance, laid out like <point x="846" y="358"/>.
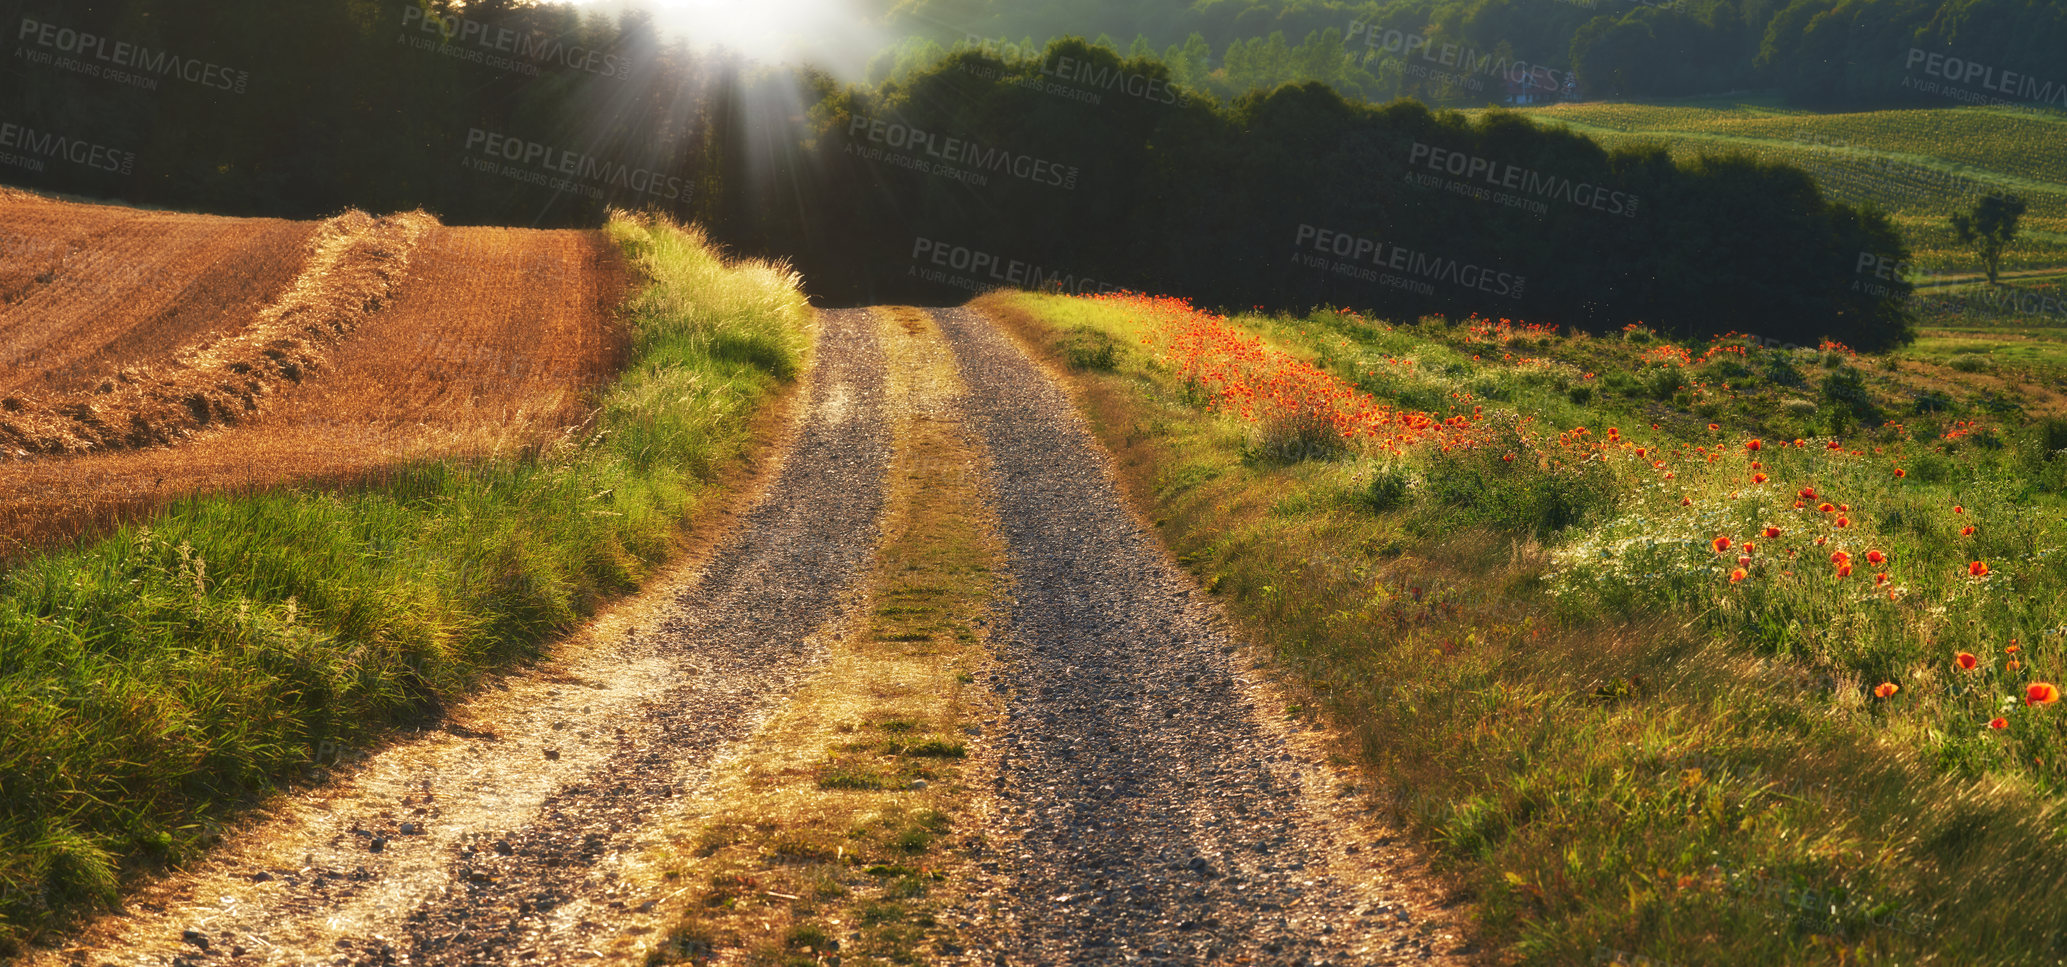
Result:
<point x="516" y="834"/>
<point x="1153" y="811"/>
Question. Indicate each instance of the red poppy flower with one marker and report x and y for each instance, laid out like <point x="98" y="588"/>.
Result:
<point x="1998" y="722"/>
<point x="1977" y="569"/>
<point x="2013" y="648"/>
<point x="1752" y="445"/>
<point x="1839" y="557"/>
<point x="1844" y="522"/>
<point x="1900" y="473"/>
<point x="2041" y="693"/>
<point x="1715" y="426"/>
<point x="1744" y="560"/>
<point x="1966" y="660"/>
<point x="1876" y="557"/>
<point x="1967" y="531"/>
<point x="1844" y="570"/>
<point x="1885" y="689"/>
<point x="1772" y="532"/>
<point x="1758" y="478"/>
<point x="1738" y="575"/>
<point x="1957" y="509"/>
<point x="1686" y="501"/>
<point x="1826" y="508"/>
<point x="1880" y="579"/>
<point x="1808" y="493"/>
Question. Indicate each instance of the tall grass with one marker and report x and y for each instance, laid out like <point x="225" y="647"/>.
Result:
<point x="154" y="682"/>
<point x="1620" y="753"/>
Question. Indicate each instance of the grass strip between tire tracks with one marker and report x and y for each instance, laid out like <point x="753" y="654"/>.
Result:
<point x="841" y="832"/>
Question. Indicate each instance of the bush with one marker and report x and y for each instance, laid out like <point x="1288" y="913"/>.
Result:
<point x="1845" y="389"/>
<point x="1781" y="371"/>
<point x="1580" y="395"/>
<point x="1481" y="485"/>
<point x="1970" y="364"/>
<point x="1665" y="382"/>
<point x="1089" y="348"/>
<point x="1390" y="489"/>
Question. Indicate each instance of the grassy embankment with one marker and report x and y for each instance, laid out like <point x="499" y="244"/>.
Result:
<point x="153" y="682"/>
<point x="843" y="829"/>
<point x="1530" y="638"/>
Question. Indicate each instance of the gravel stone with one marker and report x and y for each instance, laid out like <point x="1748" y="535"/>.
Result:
<point x="1146" y="779"/>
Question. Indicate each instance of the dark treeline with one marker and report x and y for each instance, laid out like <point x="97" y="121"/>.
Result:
<point x="1070" y="169"/>
<point x="1083" y="172"/>
<point x="300" y="109"/>
<point x="1820" y="52"/>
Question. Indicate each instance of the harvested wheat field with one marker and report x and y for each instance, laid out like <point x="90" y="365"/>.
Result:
<point x="154" y="355"/>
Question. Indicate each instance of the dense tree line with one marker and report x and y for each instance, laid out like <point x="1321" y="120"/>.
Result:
<point x="988" y="171"/>
<point x="1820" y="52"/>
<point x="1071" y="168"/>
<point x="304" y="108"/>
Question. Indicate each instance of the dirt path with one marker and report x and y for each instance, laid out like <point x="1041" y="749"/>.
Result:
<point x="1156" y="810"/>
<point x="527" y="830"/>
<point x="1150" y="803"/>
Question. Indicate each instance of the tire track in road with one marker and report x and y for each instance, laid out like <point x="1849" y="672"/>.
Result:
<point x="533" y="829"/>
<point x="1154" y="815"/>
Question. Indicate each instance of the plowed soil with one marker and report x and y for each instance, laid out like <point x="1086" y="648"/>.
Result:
<point x="406" y="341"/>
<point x="88" y="289"/>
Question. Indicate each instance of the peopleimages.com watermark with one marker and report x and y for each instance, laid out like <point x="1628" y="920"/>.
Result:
<point x="1465" y="60"/>
<point x="119" y="61"/>
<point x="562" y="170"/>
<point x="1877" y="271"/>
<point x="1366" y="259"/>
<point x="963" y="160"/>
<point x="504" y="48"/>
<point x="1510" y="184"/>
<point x="978" y="271"/>
<point x="2003" y="87"/>
<point x="1077" y="80"/>
<point x="26" y="147"/>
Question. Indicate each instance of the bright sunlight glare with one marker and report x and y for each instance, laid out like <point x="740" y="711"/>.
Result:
<point x="835" y="35"/>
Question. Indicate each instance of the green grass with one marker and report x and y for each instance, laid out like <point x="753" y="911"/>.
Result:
<point x="157" y="681"/>
<point x="1919" y="165"/>
<point x="1613" y="746"/>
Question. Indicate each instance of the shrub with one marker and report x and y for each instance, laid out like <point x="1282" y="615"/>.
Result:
<point x="1390" y="489"/>
<point x="1665" y="382"/>
<point x="1970" y="364"/>
<point x="1781" y="371"/>
<point x="1480" y="485"/>
<point x="1580" y="395"/>
<point x="1845" y="389"/>
<point x="1089" y="348"/>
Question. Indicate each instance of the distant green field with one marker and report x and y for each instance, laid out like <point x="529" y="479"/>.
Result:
<point x="1917" y="165"/>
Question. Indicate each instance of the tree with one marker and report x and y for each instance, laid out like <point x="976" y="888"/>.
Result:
<point x="1990" y="228"/>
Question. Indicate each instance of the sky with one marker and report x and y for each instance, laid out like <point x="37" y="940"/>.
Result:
<point x="833" y="34"/>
